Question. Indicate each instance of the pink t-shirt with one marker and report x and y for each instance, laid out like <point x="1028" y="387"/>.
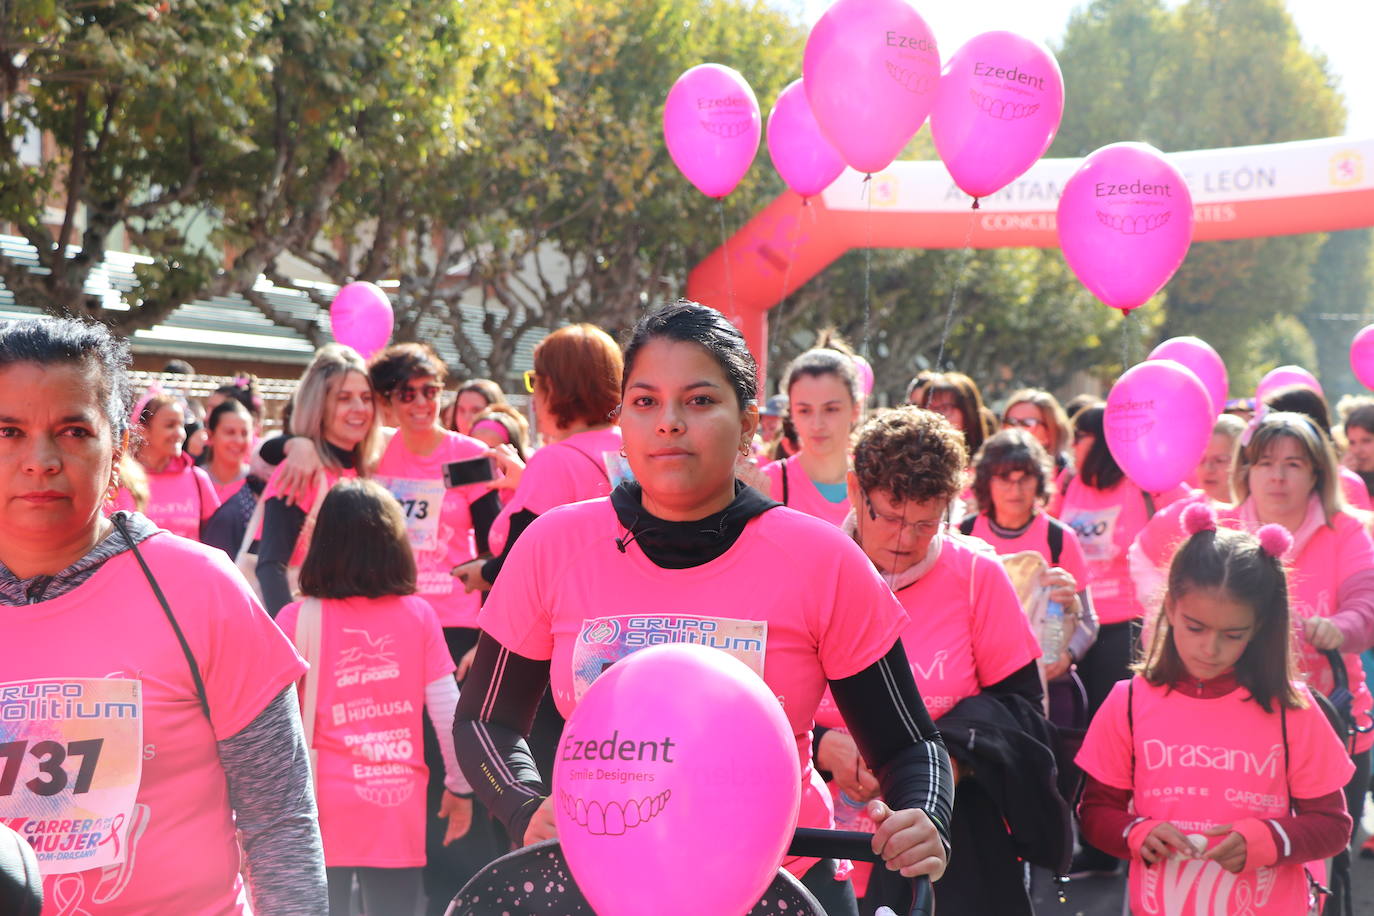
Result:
<point x="802" y="494"/>
<point x="1036" y="537"/>
<point x="1203" y="763"/>
<point x="567" y="593"/>
<point x="1329" y="557"/>
<point x="180" y="498"/>
<point x="1352" y="485"/>
<point x="226" y="490"/>
<point x="438" y="520"/>
<point x="153" y="831"/>
<point x="376" y="656"/>
<point x="1106" y="522"/>
<point x="576" y="468"/>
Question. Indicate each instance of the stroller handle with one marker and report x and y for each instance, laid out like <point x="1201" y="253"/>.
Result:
<point x="813" y="842"/>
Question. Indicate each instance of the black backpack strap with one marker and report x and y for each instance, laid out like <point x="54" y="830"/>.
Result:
<point x="1055" y="537"/>
<point x="966" y="526"/>
<point x="786" y="490"/>
<point x="1130" y="722"/>
<point x="171" y="618"/>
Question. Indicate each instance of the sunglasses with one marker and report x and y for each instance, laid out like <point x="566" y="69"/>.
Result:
<point x="1023" y="422"/>
<point x="407" y="395"/>
<point x="530" y="376"/>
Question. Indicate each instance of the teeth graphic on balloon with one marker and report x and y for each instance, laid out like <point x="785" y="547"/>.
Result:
<point x="613" y="818"/>
<point x="919" y="83"/>
<point x="726" y="130"/>
<point x="1131" y="433"/>
<point x="1003" y="111"/>
<point x="1133" y="225"/>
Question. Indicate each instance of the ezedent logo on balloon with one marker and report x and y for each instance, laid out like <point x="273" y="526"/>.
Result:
<point x="1013" y="75"/>
<point x="1129" y="420"/>
<point x="727" y="117"/>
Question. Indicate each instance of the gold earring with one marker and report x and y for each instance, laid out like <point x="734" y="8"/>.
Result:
<point x="112" y="491"/>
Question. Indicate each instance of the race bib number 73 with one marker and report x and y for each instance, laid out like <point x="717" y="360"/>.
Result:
<point x="71" y="758"/>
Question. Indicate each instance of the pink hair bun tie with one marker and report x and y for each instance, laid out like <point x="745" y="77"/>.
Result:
<point x="1275" y="540"/>
<point x="1199" y="516"/>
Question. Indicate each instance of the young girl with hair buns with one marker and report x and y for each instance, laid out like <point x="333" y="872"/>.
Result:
<point x="1212" y="770"/>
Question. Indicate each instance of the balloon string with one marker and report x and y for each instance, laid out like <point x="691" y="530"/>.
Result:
<point x="791" y="256"/>
<point x="1125" y="340"/>
<point x="725" y="251"/>
<point x="867" y="194"/>
<point x="958" y="285"/>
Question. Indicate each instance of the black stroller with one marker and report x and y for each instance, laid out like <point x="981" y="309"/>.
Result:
<point x="536" y="880"/>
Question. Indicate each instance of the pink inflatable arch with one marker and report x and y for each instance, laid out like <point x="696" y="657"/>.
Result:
<point x="1242" y="192"/>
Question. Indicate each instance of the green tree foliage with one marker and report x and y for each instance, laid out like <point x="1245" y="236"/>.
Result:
<point x="1342" y="302"/>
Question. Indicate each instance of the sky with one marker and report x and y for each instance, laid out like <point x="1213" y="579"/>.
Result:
<point x="1340" y="29"/>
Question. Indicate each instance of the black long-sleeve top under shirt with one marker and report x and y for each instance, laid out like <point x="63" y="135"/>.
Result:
<point x="880" y="704"/>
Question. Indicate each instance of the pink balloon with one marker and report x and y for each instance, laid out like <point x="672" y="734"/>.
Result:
<point x="865" y="372"/>
<point x="678" y="753"/>
<point x="712" y="127"/>
<point x="1158" y="423"/>
<point x="1283" y="377"/>
<point x="1362" y="356"/>
<point x="1000" y="100"/>
<point x="1125" y="223"/>
<point x="800" y="152"/>
<point x="871" y="71"/>
<point x="360" y="316"/>
<point x="1206" y="363"/>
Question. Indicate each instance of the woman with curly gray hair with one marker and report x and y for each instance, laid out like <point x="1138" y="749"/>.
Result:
<point x="966" y="637"/>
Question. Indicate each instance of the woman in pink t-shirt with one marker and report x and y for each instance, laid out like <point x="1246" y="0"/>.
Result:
<point x="153" y="747"/>
<point x="1311" y="404"/>
<point x="1212" y="770"/>
<point x="180" y="495"/>
<point x="381" y="655"/>
<point x="685" y="548"/>
<point x="1285" y="474"/>
<point x="230" y="428"/>
<point x="825" y="401"/>
<point x="1040" y="414"/>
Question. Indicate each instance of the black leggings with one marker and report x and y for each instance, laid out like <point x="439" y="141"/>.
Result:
<point x="835" y="897"/>
<point x="385" y="890"/>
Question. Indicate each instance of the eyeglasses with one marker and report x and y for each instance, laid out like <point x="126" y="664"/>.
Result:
<point x="1022" y="481"/>
<point x="923" y="528"/>
<point x="406" y="394"/>
<point x="1023" y="422"/>
<point x="530" y="376"/>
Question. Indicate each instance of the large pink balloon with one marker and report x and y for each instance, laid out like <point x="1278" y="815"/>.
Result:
<point x="1158" y="423"/>
<point x="712" y="127"/>
<point x="871" y="70"/>
<point x="800" y="152"/>
<point x="1206" y="363"/>
<point x="1283" y="377"/>
<point x="1362" y="356"/>
<point x="1000" y="100"/>
<point x="678" y="753"/>
<point x="361" y="317"/>
<point x="1125" y="223"/>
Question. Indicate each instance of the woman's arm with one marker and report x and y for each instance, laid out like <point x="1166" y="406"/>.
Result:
<point x="519" y="521"/>
<point x="267" y="768"/>
<point x="495" y="712"/>
<point x="1354" y="616"/>
<point x="484" y="511"/>
<point x="1085" y="634"/>
<point x="281" y="528"/>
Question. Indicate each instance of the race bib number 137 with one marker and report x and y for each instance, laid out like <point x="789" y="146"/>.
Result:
<point x="71" y="758"/>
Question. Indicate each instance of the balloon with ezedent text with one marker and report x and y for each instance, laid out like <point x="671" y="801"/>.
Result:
<point x="1158" y="421"/>
<point x="871" y="70"/>
<point x="801" y="154"/>
<point x="999" y="105"/>
<point x="1125" y="222"/>
<point x="676" y="754"/>
<point x="712" y="127"/>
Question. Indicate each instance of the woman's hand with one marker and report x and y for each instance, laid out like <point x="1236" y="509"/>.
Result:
<point x="458" y="810"/>
<point x="908" y="841"/>
<point x="1060" y="665"/>
<point x="1230" y="852"/>
<point x="470" y="573"/>
<point x="297" y="480"/>
<point x="838" y="754"/>
<point x="1322" y="633"/>
<point x="512" y="468"/>
<point x="1165" y="841"/>
<point x="542" y="826"/>
<point x="465" y="664"/>
<point x="1061" y="584"/>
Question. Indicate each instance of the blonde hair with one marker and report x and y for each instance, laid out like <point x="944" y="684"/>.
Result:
<point x="1304" y="431"/>
<point x="311" y="404"/>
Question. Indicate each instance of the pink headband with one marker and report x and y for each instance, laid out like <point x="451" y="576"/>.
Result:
<point x="493" y="425"/>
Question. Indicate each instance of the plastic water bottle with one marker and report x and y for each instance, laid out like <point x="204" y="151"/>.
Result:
<point x="1052" y="632"/>
<point x="849" y="814"/>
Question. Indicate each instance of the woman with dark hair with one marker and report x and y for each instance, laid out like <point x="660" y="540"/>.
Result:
<point x="1038" y="413"/>
<point x="825" y="400"/>
<point x="1107" y="511"/>
<point x="474" y="397"/>
<point x="168" y="762"/>
<point x="1012" y="480"/>
<point x="1358" y="428"/>
<point x="180" y="495"/>
<point x="231" y="433"/>
<point x="955" y="396"/>
<point x="1303" y="400"/>
<point x="668" y="545"/>
<point x="966" y="638"/>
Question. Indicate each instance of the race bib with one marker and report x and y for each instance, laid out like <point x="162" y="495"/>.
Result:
<point x="603" y="641"/>
<point x="421" y="501"/>
<point x="1096" y="530"/>
<point x="71" y="759"/>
